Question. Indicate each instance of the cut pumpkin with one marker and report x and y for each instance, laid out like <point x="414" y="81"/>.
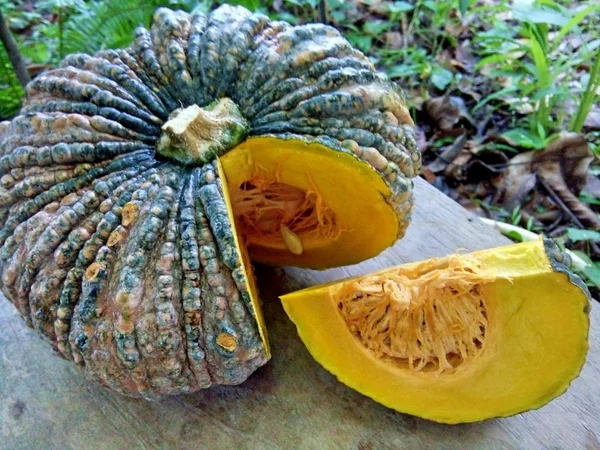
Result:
<point x="456" y="339"/>
<point x="137" y="185"/>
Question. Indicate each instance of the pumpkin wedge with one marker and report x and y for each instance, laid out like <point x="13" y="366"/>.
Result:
<point x="455" y="339"/>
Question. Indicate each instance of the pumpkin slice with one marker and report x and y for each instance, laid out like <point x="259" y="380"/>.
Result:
<point x="456" y="339"/>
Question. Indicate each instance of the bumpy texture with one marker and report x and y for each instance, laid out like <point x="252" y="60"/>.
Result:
<point x="125" y="261"/>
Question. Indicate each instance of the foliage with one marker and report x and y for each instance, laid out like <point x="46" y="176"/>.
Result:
<point x="537" y="60"/>
<point x="11" y="91"/>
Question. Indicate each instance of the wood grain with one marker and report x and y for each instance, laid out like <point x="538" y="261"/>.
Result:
<point x="292" y="403"/>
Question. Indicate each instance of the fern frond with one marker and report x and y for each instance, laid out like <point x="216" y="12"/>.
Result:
<point x="11" y="92"/>
<point x="108" y="24"/>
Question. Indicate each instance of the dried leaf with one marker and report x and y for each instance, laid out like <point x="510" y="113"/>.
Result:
<point x="571" y="201"/>
<point x="447" y="111"/>
<point x="467" y="87"/>
<point x="519" y="180"/>
<point x="564" y="167"/>
<point x="485" y="164"/>
<point x="428" y="175"/>
<point x="568" y="155"/>
<point x="455" y="170"/>
<point x="448" y="155"/>
<point x="463" y="56"/>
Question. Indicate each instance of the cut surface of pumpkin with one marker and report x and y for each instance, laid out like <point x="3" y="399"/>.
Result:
<point x="456" y="339"/>
<point x="304" y="204"/>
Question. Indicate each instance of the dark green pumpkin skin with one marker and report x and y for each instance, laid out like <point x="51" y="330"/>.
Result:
<point x="126" y="261"/>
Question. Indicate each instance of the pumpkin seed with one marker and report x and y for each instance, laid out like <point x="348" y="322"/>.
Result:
<point x="291" y="240"/>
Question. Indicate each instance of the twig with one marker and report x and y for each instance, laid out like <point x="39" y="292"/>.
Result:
<point x="556" y="199"/>
<point x="13" y="52"/>
<point x="527" y="236"/>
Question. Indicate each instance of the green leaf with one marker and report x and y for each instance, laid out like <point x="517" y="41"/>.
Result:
<point x="589" y="199"/>
<point x="534" y="14"/>
<point x="492" y="59"/>
<point x="524" y="138"/>
<point x="376" y="28"/>
<point x="463" y="5"/>
<point x="361" y="41"/>
<point x="592" y="273"/>
<point x="515" y="236"/>
<point x="540" y="60"/>
<point x="404" y="70"/>
<point x="441" y="78"/>
<point x="11" y="92"/>
<point x="252" y="5"/>
<point x="576" y="235"/>
<point x="399" y="7"/>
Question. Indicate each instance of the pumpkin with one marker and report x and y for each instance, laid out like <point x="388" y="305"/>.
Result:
<point x="456" y="339"/>
<point x="137" y="184"/>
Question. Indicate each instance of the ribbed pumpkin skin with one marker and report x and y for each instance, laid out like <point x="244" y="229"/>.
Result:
<point x="126" y="262"/>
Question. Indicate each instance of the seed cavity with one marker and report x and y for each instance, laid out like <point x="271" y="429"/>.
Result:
<point x="430" y="317"/>
<point x="268" y="210"/>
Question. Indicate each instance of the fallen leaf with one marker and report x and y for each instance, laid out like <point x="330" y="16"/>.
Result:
<point x="447" y="111"/>
<point x="463" y="56"/>
<point x="519" y="180"/>
<point x="563" y="165"/>
<point x="466" y="86"/>
<point x="570" y="155"/>
<point x="485" y="164"/>
<point x="455" y="170"/>
<point x="448" y="155"/>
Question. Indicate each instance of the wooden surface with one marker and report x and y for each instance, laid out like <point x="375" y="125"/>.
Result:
<point x="292" y="403"/>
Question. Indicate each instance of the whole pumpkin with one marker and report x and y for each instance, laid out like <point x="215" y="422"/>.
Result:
<point x="126" y="174"/>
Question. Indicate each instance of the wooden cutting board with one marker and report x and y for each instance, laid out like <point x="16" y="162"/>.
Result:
<point x="292" y="403"/>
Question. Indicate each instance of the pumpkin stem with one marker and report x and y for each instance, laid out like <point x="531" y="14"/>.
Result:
<point x="196" y="136"/>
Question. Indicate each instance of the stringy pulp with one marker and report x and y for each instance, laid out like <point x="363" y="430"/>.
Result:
<point x="431" y="317"/>
<point x="264" y="205"/>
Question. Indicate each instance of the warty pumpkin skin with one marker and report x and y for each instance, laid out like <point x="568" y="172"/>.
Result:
<point x="456" y="339"/>
<point x="120" y="174"/>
